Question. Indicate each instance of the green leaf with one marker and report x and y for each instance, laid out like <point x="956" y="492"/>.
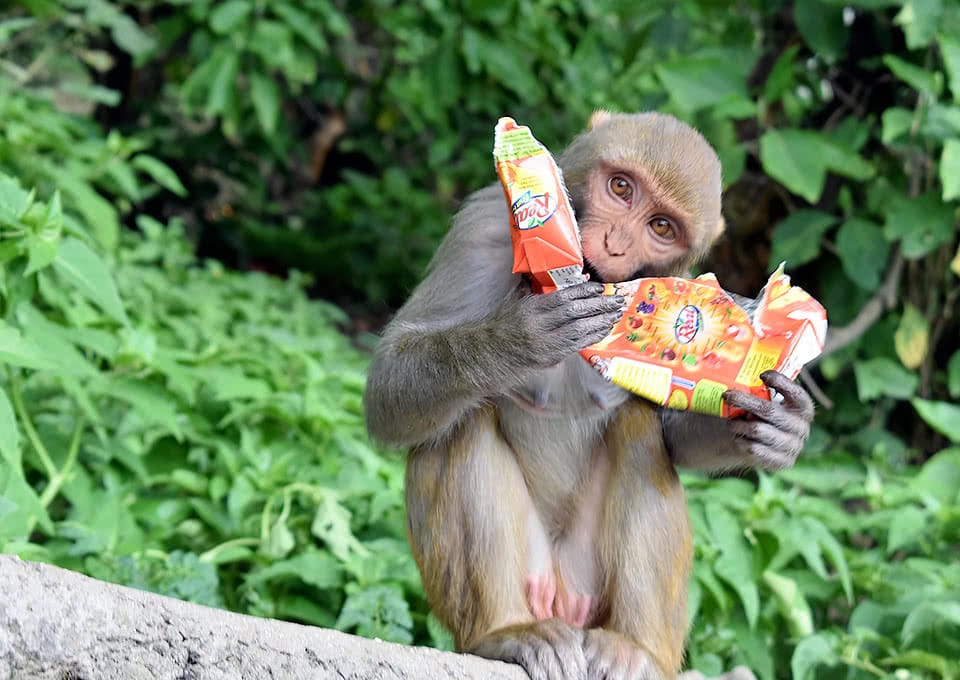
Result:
<point x="735" y="564"/>
<point x="98" y="213"/>
<point x="223" y="77"/>
<point x="42" y="243"/>
<point x="17" y="351"/>
<point x="9" y="432"/>
<point x="151" y="402"/>
<point x="14" y="201"/>
<point x="303" y="25"/>
<point x="950" y="52"/>
<point x="906" y="527"/>
<point x="921" y="224"/>
<point x="863" y="251"/>
<point x="939" y="478"/>
<point x="918" y="78"/>
<point x="799" y="159"/>
<point x="882" y="377"/>
<point x="812" y="652"/>
<point x="378" y="611"/>
<point x="160" y="172"/>
<point x="791" y="603"/>
<point x="821" y="25"/>
<point x="912" y="337"/>
<point x="931" y="617"/>
<point x="266" y="101"/>
<point x="942" y="416"/>
<point x="227" y="16"/>
<point x="919" y="19"/>
<point x="130" y="37"/>
<point x="20" y="507"/>
<point x="953" y="375"/>
<point x="83" y="268"/>
<point x="896" y="123"/>
<point x="790" y="157"/>
<point x="704" y="80"/>
<point x="950" y="169"/>
<point x="797" y="239"/>
<point x="313" y="567"/>
<point x="331" y="524"/>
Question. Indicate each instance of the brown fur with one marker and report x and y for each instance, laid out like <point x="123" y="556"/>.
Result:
<point x="499" y="442"/>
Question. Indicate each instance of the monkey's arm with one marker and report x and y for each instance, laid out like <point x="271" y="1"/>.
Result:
<point x="468" y="333"/>
<point x="771" y="436"/>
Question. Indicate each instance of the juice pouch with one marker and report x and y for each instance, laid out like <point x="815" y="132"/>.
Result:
<point x="546" y="241"/>
<point x="683" y="343"/>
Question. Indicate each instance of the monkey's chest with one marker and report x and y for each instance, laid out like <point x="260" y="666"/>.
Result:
<point x="570" y="389"/>
<point x="555" y="424"/>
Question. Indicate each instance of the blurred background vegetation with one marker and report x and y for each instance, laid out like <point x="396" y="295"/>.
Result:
<point x="206" y="209"/>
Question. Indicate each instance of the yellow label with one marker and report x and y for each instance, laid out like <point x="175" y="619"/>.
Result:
<point x="708" y="397"/>
<point x="678" y="400"/>
<point x="650" y="382"/>
<point x="758" y="360"/>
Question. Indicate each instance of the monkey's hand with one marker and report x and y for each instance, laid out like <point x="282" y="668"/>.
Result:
<point x="543" y="330"/>
<point x="773" y="433"/>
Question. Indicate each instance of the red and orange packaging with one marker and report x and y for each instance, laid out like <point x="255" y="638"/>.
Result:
<point x="681" y="343"/>
<point x="546" y="241"/>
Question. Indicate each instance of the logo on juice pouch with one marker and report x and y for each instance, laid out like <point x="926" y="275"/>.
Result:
<point x="688" y="324"/>
<point x="533" y="210"/>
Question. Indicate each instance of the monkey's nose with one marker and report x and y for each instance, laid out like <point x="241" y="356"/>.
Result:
<point x="606" y="246"/>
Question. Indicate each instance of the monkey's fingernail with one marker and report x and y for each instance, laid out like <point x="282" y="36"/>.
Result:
<point x="620" y="299"/>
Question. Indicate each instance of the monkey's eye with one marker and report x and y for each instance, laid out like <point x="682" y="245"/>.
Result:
<point x="621" y="187"/>
<point x="663" y="228"/>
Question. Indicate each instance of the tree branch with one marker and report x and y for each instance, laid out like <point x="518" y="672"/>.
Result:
<point x="885" y="298"/>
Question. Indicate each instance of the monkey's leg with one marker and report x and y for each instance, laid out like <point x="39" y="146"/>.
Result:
<point x="468" y="512"/>
<point x="645" y="548"/>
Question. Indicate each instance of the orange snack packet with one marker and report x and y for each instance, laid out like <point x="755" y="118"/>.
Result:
<point x="683" y="343"/>
<point x="546" y="241"/>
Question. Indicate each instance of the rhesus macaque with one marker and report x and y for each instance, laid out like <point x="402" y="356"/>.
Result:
<point x="544" y="510"/>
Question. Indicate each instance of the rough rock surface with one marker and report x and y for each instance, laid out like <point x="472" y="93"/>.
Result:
<point x="59" y="624"/>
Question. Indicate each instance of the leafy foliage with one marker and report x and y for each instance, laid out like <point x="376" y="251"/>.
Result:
<point x="172" y="424"/>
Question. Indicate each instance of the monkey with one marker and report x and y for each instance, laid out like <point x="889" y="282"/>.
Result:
<point x="544" y="509"/>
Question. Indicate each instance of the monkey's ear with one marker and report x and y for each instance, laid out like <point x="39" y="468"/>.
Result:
<point x="720" y="228"/>
<point x="599" y="117"/>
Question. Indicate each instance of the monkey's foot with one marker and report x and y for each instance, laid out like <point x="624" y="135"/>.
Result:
<point x="613" y="657"/>
<point x="541" y="591"/>
<point x="547" y="650"/>
<point x="573" y="607"/>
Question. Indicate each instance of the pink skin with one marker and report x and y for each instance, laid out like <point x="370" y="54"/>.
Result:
<point x="547" y="601"/>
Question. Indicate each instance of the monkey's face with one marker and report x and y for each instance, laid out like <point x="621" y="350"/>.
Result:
<point x="629" y="228"/>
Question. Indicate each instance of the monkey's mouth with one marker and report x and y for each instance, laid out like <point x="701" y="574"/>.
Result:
<point x="592" y="272"/>
<point x="595" y="275"/>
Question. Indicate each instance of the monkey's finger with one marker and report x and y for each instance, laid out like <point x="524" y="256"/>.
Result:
<point x="585" y="332"/>
<point x="580" y="291"/>
<point x="794" y="396"/>
<point x="584" y="309"/>
<point x="757" y="431"/>
<point x="767" y="442"/>
<point x="768" y="411"/>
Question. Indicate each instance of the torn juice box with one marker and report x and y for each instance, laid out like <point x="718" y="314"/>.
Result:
<point x="682" y="343"/>
<point x="546" y="241"/>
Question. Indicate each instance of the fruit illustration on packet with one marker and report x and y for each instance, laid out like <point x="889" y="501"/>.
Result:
<point x="681" y="343"/>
